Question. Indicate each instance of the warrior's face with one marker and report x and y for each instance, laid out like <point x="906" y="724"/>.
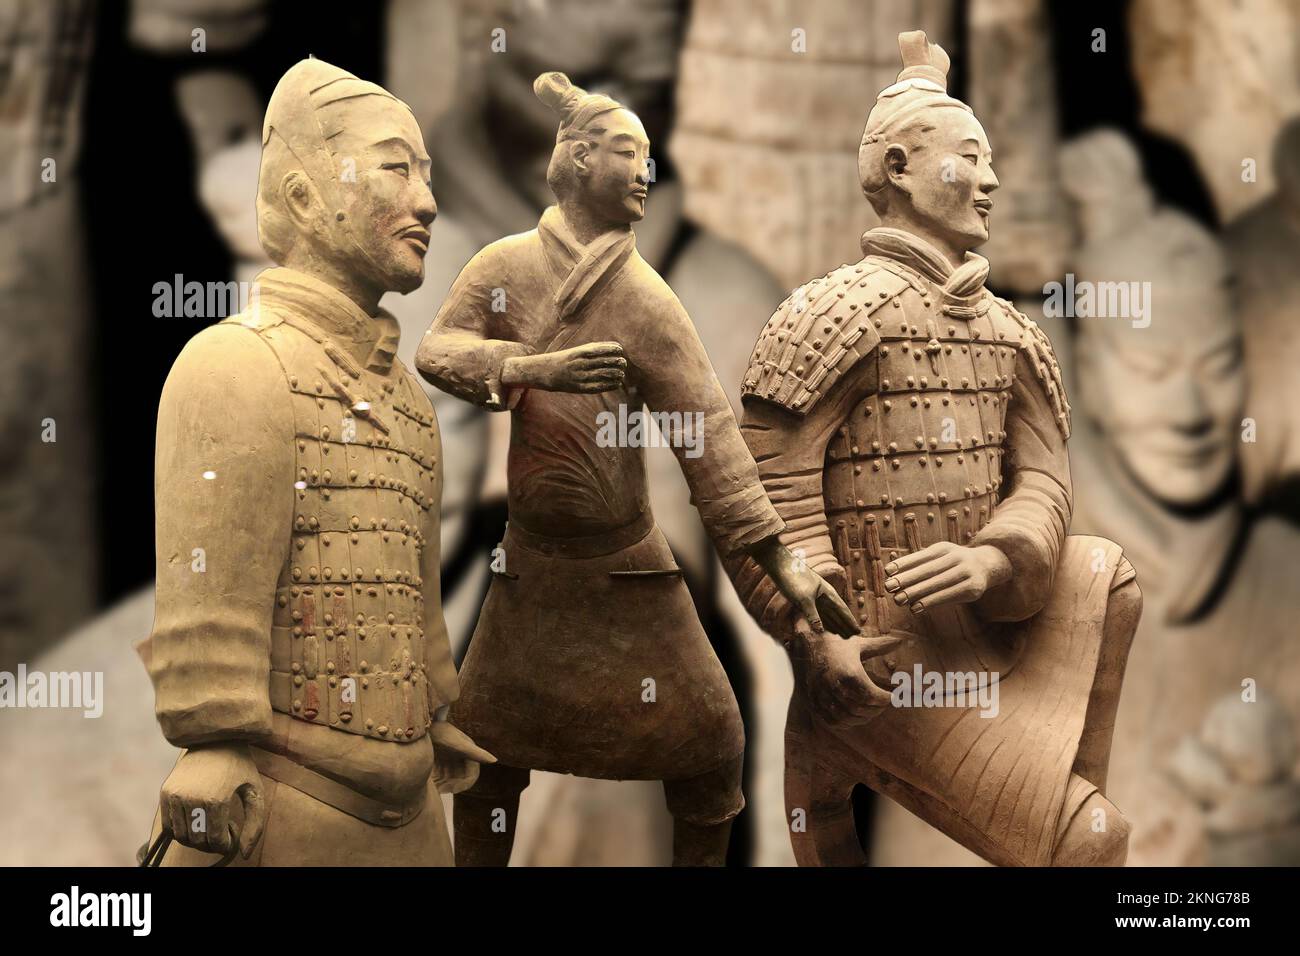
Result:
<point x="613" y="170"/>
<point x="948" y="175"/>
<point x="1168" y="402"/>
<point x="384" y="191"/>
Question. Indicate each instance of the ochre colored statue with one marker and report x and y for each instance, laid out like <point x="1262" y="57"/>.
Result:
<point x="911" y="429"/>
<point x="298" y="651"/>
<point x="588" y="657"/>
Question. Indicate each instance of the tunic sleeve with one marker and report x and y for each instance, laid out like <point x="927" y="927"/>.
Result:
<point x="678" y="383"/>
<point x="223" y="488"/>
<point x="1030" y="523"/>
<point x="459" y="353"/>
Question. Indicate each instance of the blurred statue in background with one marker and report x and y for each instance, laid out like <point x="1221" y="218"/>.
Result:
<point x="1156" y="465"/>
<point x="301" y="659"/>
<point x="48" y="569"/>
<point x="911" y="429"/>
<point x="1221" y="79"/>
<point x="589" y="658"/>
<point x="1264" y="244"/>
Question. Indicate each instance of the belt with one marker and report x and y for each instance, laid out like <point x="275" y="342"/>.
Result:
<point x="583" y="546"/>
<point x="331" y="792"/>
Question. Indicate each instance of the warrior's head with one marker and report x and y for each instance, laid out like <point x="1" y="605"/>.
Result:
<point x="925" y="161"/>
<point x="343" y="191"/>
<point x="1165" y="391"/>
<point x="601" y="154"/>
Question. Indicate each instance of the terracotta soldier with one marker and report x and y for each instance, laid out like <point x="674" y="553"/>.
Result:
<point x="588" y="658"/>
<point x="1159" y="453"/>
<point x="911" y="429"/>
<point x="299" y="652"/>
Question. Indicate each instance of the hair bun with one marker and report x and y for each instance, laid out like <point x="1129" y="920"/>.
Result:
<point x="557" y="92"/>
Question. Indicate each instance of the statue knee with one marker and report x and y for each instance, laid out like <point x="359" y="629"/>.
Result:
<point x="1097" y="834"/>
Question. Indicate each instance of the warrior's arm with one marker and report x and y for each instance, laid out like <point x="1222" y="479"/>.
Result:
<point x="458" y="353"/>
<point x="1032" y="520"/>
<point x="224" y="483"/>
<point x="677" y="380"/>
<point x="791" y="453"/>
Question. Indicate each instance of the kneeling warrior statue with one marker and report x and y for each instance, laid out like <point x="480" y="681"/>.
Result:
<point x="588" y="657"/>
<point x="911" y="429"/>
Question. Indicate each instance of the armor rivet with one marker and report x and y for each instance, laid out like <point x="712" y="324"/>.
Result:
<point x="313" y="572"/>
<point x="915" y="401"/>
<point x="370" y="724"/>
<point x="888" y="405"/>
<point x="297" y="705"/>
<point x="383" y="730"/>
<point x="885" y="520"/>
<point x="875" y="466"/>
<point x="297" y="574"/>
<point x="895" y="463"/>
<point x="319" y="387"/>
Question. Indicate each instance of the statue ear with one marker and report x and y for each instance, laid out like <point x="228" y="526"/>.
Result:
<point x="895" y="163"/>
<point x="300" y="199"/>
<point x="580" y="150"/>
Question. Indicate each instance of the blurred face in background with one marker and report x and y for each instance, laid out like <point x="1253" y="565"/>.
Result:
<point x="1168" y="398"/>
<point x="625" y="49"/>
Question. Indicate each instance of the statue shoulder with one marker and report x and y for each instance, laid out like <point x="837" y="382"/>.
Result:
<point x="818" y="334"/>
<point x="1038" y="349"/>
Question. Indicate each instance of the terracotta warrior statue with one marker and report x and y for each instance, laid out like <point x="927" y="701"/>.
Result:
<point x="911" y="429"/>
<point x="299" y="653"/>
<point x="588" y="657"/>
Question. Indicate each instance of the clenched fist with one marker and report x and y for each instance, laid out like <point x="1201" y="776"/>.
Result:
<point x="213" y="798"/>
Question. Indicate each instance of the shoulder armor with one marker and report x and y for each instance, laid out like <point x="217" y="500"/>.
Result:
<point x="1039" y="349"/>
<point x="818" y="334"/>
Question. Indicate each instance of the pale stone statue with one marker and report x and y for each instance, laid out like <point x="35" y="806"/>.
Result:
<point x="299" y="651"/>
<point x="911" y="429"/>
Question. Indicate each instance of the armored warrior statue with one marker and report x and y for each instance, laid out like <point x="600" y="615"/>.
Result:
<point x="911" y="429"/>
<point x="588" y="657"/>
<point x="298" y="651"/>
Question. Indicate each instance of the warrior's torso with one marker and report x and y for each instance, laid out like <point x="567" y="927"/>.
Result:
<point x="348" y="646"/>
<point x="917" y="456"/>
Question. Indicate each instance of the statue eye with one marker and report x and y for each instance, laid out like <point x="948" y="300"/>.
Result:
<point x="631" y="153"/>
<point x="971" y="158"/>
<point x="404" y="167"/>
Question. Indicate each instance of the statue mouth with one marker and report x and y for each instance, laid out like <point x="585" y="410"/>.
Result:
<point x="984" y="207"/>
<point x="418" y="236"/>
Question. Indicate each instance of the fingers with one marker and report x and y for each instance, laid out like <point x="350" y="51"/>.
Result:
<point x="918" y="558"/>
<point x="598" y="349"/>
<point x="874" y="645"/>
<point x="219" y="826"/>
<point x="835" y="613"/>
<point x="961" y="593"/>
<point x="931" y="585"/>
<point x="254" y="803"/>
<point x="907" y="579"/>
<point x="808" y="608"/>
<point x="174" y="813"/>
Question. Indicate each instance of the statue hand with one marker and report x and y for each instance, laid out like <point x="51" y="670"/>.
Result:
<point x="829" y="673"/>
<point x="945" y="573"/>
<point x="595" y="367"/>
<point x="201" y="795"/>
<point x="456" y="758"/>
<point x="816" y="600"/>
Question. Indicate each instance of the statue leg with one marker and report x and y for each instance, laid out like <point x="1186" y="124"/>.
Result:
<point x="818" y="802"/>
<point x="702" y="809"/>
<point x="1123" y="609"/>
<point x="485" y="816"/>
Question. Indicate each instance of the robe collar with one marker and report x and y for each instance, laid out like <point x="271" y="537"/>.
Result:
<point x="959" y="285"/>
<point x="582" y="269"/>
<point x="371" y="340"/>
